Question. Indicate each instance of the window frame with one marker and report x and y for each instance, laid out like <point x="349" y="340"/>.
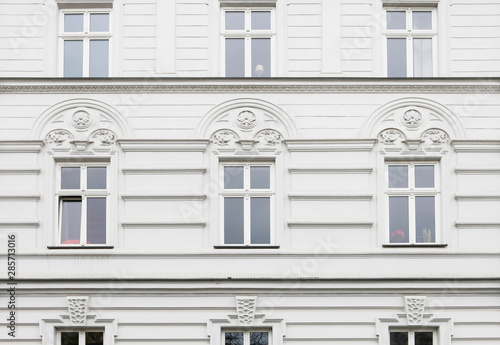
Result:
<point x="411" y="334"/>
<point x="86" y="36"/>
<point x="411" y="191"/>
<point x="246" y="334"/>
<point x="82" y="194"/>
<point x="247" y="34"/>
<point x="247" y="194"/>
<point x="409" y="34"/>
<point x="81" y="334"/>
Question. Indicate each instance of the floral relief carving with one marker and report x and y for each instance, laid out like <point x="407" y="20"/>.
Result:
<point x="245" y="306"/>
<point x="223" y="137"/>
<point x="246" y="119"/>
<point x="77" y="307"/>
<point x="270" y="137"/>
<point x="415" y="306"/>
<point x="412" y="118"/>
<point x="58" y="137"/>
<point x="81" y="119"/>
<point x="436" y="137"/>
<point x="107" y="138"/>
<point x="391" y="136"/>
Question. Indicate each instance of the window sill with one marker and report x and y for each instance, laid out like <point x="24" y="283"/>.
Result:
<point x="418" y="245"/>
<point x="81" y="247"/>
<point x="246" y="247"/>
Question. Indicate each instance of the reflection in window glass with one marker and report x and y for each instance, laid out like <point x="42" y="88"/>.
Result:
<point x="233" y="221"/>
<point x="233" y="177"/>
<point x="422" y="57"/>
<point x="71" y="218"/>
<point x="96" y="220"/>
<point x="396" y="20"/>
<point x="399" y="219"/>
<point x="96" y="177"/>
<point x="73" y="58"/>
<point x="94" y="338"/>
<point x="73" y="22"/>
<point x="260" y="177"/>
<point x="423" y="338"/>
<point x="259" y="338"/>
<point x="425" y="222"/>
<point x="424" y="176"/>
<point x="396" y="57"/>
<point x="260" y="216"/>
<point x="70" y="178"/>
<point x="235" y="57"/>
<point x="422" y="20"/>
<point x="398" y="176"/>
<point x="69" y="338"/>
<point x="99" y="22"/>
<point x="399" y="338"/>
<point x="261" y="57"/>
<point x="233" y="338"/>
<point x="261" y="20"/>
<point x="99" y="58"/>
<point x="235" y="20"/>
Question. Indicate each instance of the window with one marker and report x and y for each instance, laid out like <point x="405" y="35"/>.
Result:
<point x="412" y="195"/>
<point x="410" y="39"/>
<point x="81" y="338"/>
<point x="247" y="204"/>
<point x="412" y="338"/>
<point x="248" y="37"/>
<point x="82" y="197"/>
<point x="85" y="39"/>
<point x="246" y="338"/>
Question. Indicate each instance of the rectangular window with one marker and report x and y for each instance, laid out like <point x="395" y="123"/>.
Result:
<point x="410" y="42"/>
<point x="85" y="39"/>
<point x="82" y="196"/>
<point x="248" y="36"/>
<point x="247" y="203"/>
<point x="412" y="338"/>
<point x="81" y="338"/>
<point x="246" y="338"/>
<point x="412" y="194"/>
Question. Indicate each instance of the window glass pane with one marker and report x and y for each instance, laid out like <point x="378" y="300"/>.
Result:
<point x="398" y="219"/>
<point x="261" y="57"/>
<point x="94" y="338"/>
<point x="261" y="20"/>
<point x="233" y="177"/>
<point x="425" y="222"/>
<point x="73" y="59"/>
<point x="399" y="338"/>
<point x="234" y="338"/>
<point x="235" y="20"/>
<point x="396" y="57"/>
<point x="96" y="220"/>
<point x="260" y="177"/>
<point x="99" y="58"/>
<point x="73" y="22"/>
<point x="71" y="218"/>
<point x="70" y="178"/>
<point x="422" y="57"/>
<point x="260" y="220"/>
<point x="396" y="20"/>
<point x="96" y="177"/>
<point x="422" y="20"/>
<point x="423" y="338"/>
<point x="233" y="221"/>
<point x="424" y="176"/>
<point x="398" y="176"/>
<point x="69" y="338"/>
<point x="259" y="338"/>
<point x="235" y="57"/>
<point x="99" y="22"/>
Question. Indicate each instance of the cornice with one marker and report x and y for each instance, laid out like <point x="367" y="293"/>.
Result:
<point x="228" y="85"/>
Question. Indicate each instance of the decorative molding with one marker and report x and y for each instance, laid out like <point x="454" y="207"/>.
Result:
<point x="246" y="120"/>
<point x="245" y="305"/>
<point x="413" y="144"/>
<point x="477" y="169"/>
<point x="412" y="118"/>
<point x="224" y="137"/>
<point x="478" y="223"/>
<point x="81" y="120"/>
<point x="477" y="197"/>
<point x="20" y="196"/>
<point x="270" y="137"/>
<point x="329" y="196"/>
<point x="19" y="223"/>
<point x="331" y="224"/>
<point x="152" y="197"/>
<point x="327" y="145"/>
<point x="104" y="136"/>
<point x="435" y="137"/>
<point x="77" y="307"/>
<point x="391" y="136"/>
<point x="140" y="170"/>
<point x="21" y="146"/>
<point x="348" y="169"/>
<point x="476" y="146"/>
<point x="20" y="171"/>
<point x="415" y="306"/>
<point x="148" y="145"/>
<point x="58" y="137"/>
<point x="170" y="224"/>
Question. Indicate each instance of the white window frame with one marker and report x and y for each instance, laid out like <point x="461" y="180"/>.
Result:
<point x="81" y="334"/>
<point x="85" y="36"/>
<point x="83" y="193"/>
<point x="248" y="193"/>
<point x="246" y="334"/>
<point x="411" y="334"/>
<point x="409" y="34"/>
<point x="248" y="34"/>
<point x="412" y="192"/>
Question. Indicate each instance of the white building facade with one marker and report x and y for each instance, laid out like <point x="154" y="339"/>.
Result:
<point x="258" y="172"/>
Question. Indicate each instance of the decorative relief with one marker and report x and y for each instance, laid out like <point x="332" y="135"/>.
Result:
<point x="245" y="306"/>
<point x="77" y="307"/>
<point x="436" y="137"/>
<point x="412" y="118"/>
<point x="81" y="119"/>
<point x="223" y="137"/>
<point x="246" y="119"/>
<point x="270" y="137"/>
<point x="58" y="137"/>
<point x="415" y="306"/>
<point x="391" y="137"/>
<point x="106" y="138"/>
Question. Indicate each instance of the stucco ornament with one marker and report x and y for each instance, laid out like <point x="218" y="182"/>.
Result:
<point x="270" y="137"/>
<point x="58" y="137"/>
<point x="412" y="118"/>
<point x="77" y="307"/>
<point x="246" y="119"/>
<point x="415" y="306"/>
<point x="390" y="137"/>
<point x="436" y="137"/>
<point x="81" y="119"/>
<point x="107" y="138"/>
<point x="245" y="306"/>
<point x="223" y="137"/>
